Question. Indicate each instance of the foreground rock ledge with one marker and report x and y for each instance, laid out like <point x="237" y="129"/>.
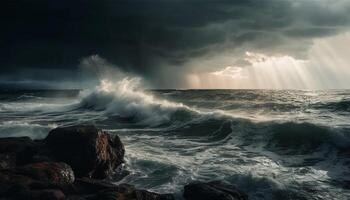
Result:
<point x="215" y="190"/>
<point x="65" y="165"/>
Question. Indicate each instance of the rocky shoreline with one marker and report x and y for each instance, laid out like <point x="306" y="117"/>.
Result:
<point x="73" y="163"/>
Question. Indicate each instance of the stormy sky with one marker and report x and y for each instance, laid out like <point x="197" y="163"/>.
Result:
<point x="164" y="41"/>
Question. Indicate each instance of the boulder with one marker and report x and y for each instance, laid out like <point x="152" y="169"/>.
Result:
<point x="215" y="190"/>
<point x="90" y="152"/>
<point x="68" y="164"/>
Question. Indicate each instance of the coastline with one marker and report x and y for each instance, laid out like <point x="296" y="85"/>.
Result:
<point x="75" y="163"/>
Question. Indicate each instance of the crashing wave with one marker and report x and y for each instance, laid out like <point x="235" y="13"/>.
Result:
<point x="127" y="100"/>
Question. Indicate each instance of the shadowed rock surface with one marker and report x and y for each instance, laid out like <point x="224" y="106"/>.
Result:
<point x="89" y="151"/>
<point x="47" y="169"/>
<point x="97" y="189"/>
<point x="15" y="151"/>
<point x="215" y="190"/>
<point x="55" y="173"/>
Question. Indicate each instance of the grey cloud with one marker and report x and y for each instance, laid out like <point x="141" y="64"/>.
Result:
<point x="144" y="36"/>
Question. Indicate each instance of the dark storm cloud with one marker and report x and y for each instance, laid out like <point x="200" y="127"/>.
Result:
<point x="143" y="35"/>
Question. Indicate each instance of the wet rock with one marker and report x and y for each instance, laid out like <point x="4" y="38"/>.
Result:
<point x="76" y="197"/>
<point x="215" y="190"/>
<point x="55" y="173"/>
<point x="90" y="186"/>
<point x="49" y="194"/>
<point x="14" y="151"/>
<point x="146" y="195"/>
<point x="13" y="185"/>
<point x="46" y="169"/>
<point x="97" y="189"/>
<point x="36" y="181"/>
<point x="15" y="144"/>
<point x="7" y="161"/>
<point x="90" y="152"/>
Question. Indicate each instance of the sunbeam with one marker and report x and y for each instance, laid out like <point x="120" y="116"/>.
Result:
<point x="327" y="67"/>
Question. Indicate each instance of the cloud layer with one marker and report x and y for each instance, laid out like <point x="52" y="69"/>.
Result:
<point x="150" y="37"/>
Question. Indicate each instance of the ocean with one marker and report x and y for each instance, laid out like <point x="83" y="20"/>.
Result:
<point x="273" y="144"/>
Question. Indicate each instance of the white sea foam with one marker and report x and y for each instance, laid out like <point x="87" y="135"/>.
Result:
<point x="126" y="98"/>
<point x="25" y="128"/>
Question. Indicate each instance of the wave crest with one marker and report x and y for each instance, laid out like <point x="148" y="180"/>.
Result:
<point x="127" y="100"/>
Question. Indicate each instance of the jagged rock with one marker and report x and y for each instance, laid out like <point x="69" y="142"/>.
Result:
<point x="55" y="173"/>
<point x="215" y="190"/>
<point x="90" y="152"/>
<point x="36" y="181"/>
<point x="43" y="169"/>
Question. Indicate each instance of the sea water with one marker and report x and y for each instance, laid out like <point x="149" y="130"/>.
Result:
<point x="273" y="144"/>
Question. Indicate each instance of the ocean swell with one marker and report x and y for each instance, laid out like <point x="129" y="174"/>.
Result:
<point x="272" y="149"/>
<point x="342" y="105"/>
<point x="127" y="101"/>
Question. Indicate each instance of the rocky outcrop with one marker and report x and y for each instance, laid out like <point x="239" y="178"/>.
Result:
<point x="54" y="173"/>
<point x="91" y="152"/>
<point x="14" y="185"/>
<point x="97" y="189"/>
<point x="51" y="169"/>
<point x="14" y="151"/>
<point x="215" y="190"/>
<point x="69" y="165"/>
<point x="36" y="181"/>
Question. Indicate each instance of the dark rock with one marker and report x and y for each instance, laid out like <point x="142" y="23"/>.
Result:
<point x="15" y="151"/>
<point x="90" y="152"/>
<point x="36" y="181"/>
<point x="13" y="185"/>
<point x="7" y="161"/>
<point x="215" y="190"/>
<point x="49" y="194"/>
<point x="43" y="169"/>
<point x="90" y="186"/>
<point x="8" y="177"/>
<point x="15" y="144"/>
<point x="76" y="197"/>
<point x="55" y="173"/>
<point x="146" y="195"/>
<point x="97" y="189"/>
